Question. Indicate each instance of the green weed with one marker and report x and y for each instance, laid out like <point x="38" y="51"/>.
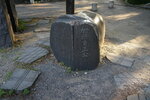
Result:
<point x="2" y="92"/>
<point x="21" y="25"/>
<point x="2" y="50"/>
<point x="8" y="75"/>
<point x="10" y="92"/>
<point x="26" y="91"/>
<point x="62" y="64"/>
<point x="68" y="69"/>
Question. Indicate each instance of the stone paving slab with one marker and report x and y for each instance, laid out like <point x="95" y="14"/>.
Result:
<point x="31" y="25"/>
<point x="43" y="35"/>
<point x="133" y="97"/>
<point x="147" y="60"/>
<point x="125" y="61"/>
<point x="32" y="54"/>
<point x="147" y="6"/>
<point x="136" y="97"/>
<point x="147" y="92"/>
<point x="20" y="80"/>
<point x="43" y="22"/>
<point x="142" y="97"/>
<point x="44" y="43"/>
<point x="43" y="29"/>
<point x="126" y="80"/>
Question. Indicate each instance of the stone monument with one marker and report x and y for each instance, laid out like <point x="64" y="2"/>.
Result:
<point x="76" y="40"/>
<point x="6" y="31"/>
<point x="12" y="13"/>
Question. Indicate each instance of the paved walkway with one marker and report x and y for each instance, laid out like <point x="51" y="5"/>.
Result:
<point x="127" y="35"/>
<point x="54" y="9"/>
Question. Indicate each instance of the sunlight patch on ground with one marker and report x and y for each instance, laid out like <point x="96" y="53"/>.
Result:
<point x="123" y="16"/>
<point x="137" y="43"/>
<point x="82" y="9"/>
<point x="137" y="47"/>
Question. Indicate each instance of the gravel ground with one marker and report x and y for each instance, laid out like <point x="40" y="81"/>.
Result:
<point x="55" y="83"/>
<point x="27" y="39"/>
<point x="54" y="8"/>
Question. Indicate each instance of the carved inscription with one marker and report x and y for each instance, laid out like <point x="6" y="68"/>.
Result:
<point x="84" y="43"/>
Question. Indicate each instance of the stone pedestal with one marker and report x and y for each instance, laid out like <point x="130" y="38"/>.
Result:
<point x="12" y="13"/>
<point x="6" y="31"/>
<point x="75" y="41"/>
<point x="94" y="7"/>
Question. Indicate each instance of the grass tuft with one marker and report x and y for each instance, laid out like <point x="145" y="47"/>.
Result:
<point x="21" y="25"/>
<point x="26" y="91"/>
<point x="2" y="93"/>
<point x="67" y="68"/>
<point x="8" y="75"/>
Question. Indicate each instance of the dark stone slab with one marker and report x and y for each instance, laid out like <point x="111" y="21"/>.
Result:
<point x="44" y="43"/>
<point x="20" y="80"/>
<point x="32" y="54"/>
<point x="75" y="41"/>
<point x="12" y="13"/>
<point x="6" y="31"/>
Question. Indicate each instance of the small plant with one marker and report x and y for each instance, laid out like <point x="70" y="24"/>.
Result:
<point x="2" y="92"/>
<point x="26" y="91"/>
<point x="25" y="66"/>
<point x="18" y="43"/>
<point x="8" y="75"/>
<point x="11" y="92"/>
<point x="2" y="50"/>
<point x="69" y="70"/>
<point x="21" y="25"/>
<point x="16" y="58"/>
<point x="62" y="64"/>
